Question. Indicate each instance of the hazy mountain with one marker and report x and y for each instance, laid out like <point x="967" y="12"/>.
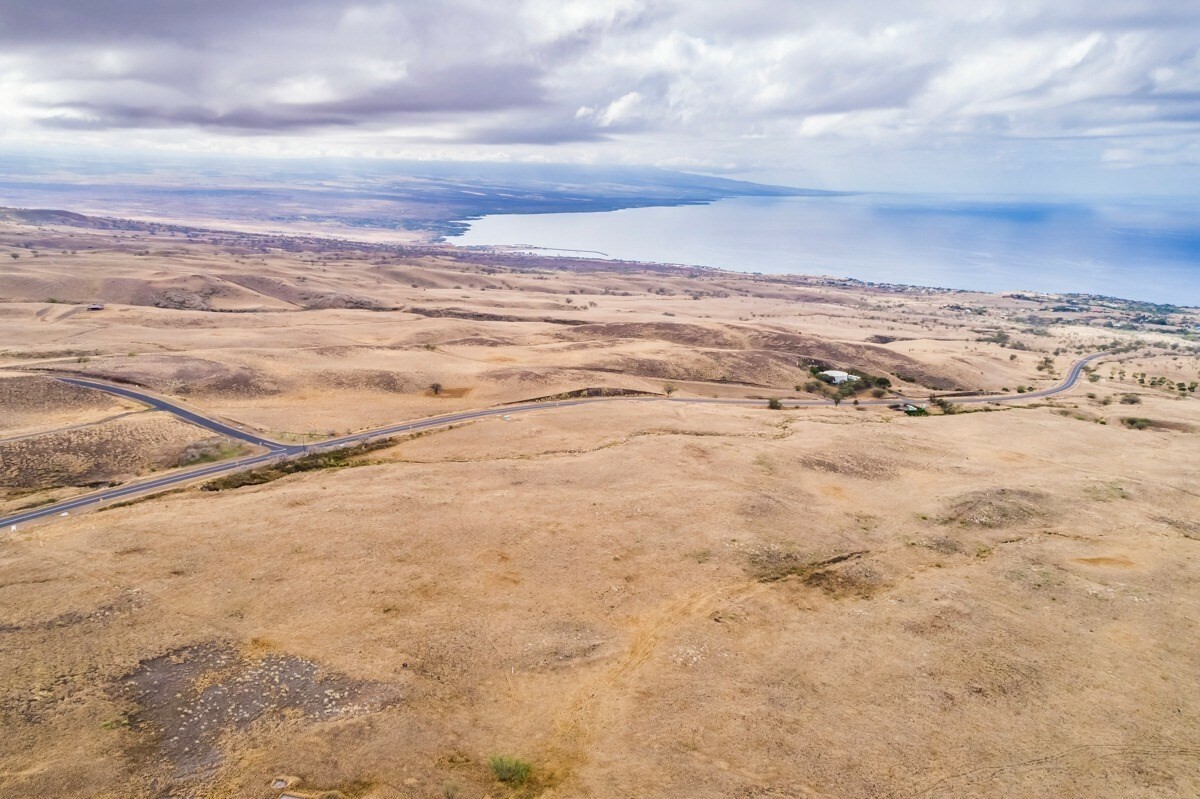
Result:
<point x="431" y="198"/>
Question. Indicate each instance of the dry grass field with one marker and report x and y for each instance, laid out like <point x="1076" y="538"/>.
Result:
<point x="642" y="599"/>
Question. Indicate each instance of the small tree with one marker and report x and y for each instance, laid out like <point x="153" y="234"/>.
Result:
<point x="436" y="388"/>
<point x="775" y="404"/>
<point x="670" y="388"/>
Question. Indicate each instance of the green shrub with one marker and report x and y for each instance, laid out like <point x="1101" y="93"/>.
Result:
<point x="510" y="770"/>
<point x="1137" y="422"/>
<point x="332" y="459"/>
<point x="945" y="406"/>
<point x="775" y="404"/>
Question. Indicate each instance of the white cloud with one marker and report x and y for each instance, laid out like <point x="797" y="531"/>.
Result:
<point x="879" y="84"/>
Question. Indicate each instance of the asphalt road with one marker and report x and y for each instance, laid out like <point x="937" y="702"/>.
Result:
<point x="277" y="450"/>
<point x="183" y="413"/>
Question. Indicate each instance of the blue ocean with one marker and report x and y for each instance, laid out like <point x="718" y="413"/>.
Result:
<point x="1135" y="249"/>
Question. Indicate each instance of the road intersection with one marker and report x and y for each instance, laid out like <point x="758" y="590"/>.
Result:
<point x="276" y="451"/>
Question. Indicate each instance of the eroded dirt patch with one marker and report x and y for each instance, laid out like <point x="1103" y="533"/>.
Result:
<point x="841" y="576"/>
<point x="186" y="701"/>
<point x="1189" y="529"/>
<point x="999" y="507"/>
<point x="124" y="604"/>
<point x="562" y="644"/>
<point x="853" y="464"/>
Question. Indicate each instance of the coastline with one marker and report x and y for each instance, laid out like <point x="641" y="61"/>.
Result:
<point x="886" y="240"/>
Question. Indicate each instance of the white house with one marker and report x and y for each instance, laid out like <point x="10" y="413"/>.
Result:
<point x="838" y="377"/>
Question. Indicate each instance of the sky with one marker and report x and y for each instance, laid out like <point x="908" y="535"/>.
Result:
<point x="1071" y="97"/>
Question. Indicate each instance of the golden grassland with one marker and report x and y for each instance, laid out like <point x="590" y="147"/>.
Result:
<point x="635" y="599"/>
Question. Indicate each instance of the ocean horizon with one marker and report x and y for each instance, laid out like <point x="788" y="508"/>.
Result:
<point x="1147" y="250"/>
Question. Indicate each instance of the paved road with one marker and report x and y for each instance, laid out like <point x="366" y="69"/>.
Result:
<point x="182" y="413"/>
<point x="277" y="450"/>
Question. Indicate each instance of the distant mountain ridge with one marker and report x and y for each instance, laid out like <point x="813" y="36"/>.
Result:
<point x="429" y="199"/>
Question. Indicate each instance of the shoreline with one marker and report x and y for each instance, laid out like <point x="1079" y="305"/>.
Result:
<point x="926" y="241"/>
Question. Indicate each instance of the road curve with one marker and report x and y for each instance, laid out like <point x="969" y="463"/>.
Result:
<point x="158" y="403"/>
<point x="277" y="451"/>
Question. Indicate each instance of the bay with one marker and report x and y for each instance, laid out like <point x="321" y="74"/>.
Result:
<point x="1134" y="249"/>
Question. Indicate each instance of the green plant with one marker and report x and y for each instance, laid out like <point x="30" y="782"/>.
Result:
<point x="946" y="406"/>
<point x="510" y="770"/>
<point x="335" y="459"/>
<point x="1137" y="422"/>
<point x="670" y="388"/>
<point x="436" y="388"/>
<point x="775" y="404"/>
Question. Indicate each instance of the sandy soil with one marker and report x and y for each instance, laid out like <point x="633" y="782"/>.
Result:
<point x="651" y="599"/>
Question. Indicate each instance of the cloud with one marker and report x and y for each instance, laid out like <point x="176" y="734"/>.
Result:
<point x="870" y="81"/>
